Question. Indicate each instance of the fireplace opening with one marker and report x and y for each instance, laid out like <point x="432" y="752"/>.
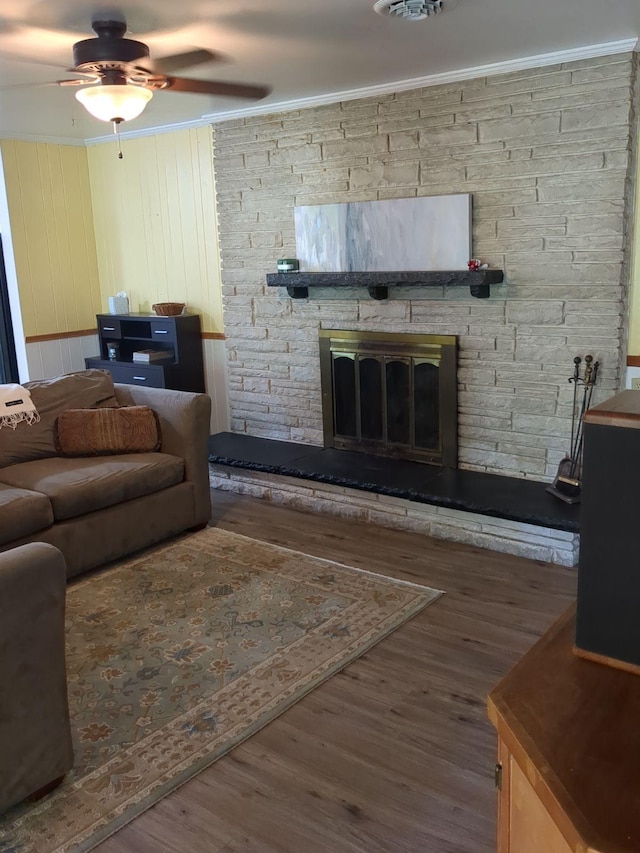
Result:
<point x="390" y="394"/>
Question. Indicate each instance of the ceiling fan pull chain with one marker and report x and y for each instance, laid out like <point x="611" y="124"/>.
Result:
<point x="116" y="130"/>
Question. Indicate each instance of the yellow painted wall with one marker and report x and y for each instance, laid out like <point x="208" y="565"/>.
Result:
<point x="155" y="222"/>
<point x="634" y="302"/>
<point x="51" y="220"/>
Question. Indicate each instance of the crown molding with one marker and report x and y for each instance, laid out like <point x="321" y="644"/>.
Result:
<point x="149" y="131"/>
<point x="521" y="64"/>
<point x="524" y="63"/>
<point x="51" y="140"/>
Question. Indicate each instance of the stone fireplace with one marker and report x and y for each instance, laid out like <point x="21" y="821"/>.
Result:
<point x="545" y="153"/>
<point x="390" y="394"/>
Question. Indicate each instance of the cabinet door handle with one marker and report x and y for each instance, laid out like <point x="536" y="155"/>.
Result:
<point x="108" y="329"/>
<point x="160" y="332"/>
<point x="141" y="378"/>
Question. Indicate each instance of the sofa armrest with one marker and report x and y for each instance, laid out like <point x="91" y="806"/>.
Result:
<point x="184" y="421"/>
<point x="35" y="735"/>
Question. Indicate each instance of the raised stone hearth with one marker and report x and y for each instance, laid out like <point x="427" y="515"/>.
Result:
<point x="507" y="514"/>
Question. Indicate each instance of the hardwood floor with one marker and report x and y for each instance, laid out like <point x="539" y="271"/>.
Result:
<point x="394" y="754"/>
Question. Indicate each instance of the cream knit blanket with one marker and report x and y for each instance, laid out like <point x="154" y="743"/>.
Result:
<point x="16" y="406"/>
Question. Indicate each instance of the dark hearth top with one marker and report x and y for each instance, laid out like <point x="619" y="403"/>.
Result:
<point x="472" y="491"/>
<point x="378" y="283"/>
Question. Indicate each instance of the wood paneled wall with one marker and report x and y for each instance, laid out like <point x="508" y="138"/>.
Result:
<point x="634" y="307"/>
<point x="155" y="222"/>
<point x="51" y="219"/>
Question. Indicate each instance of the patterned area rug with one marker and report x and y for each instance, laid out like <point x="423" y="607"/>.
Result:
<point x="177" y="656"/>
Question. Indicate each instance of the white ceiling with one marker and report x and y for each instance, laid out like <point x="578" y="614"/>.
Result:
<point x="301" y="48"/>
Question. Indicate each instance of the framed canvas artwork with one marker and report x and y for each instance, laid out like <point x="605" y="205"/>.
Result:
<point x="429" y="233"/>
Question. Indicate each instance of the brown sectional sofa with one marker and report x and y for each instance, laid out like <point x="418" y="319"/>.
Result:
<point x="98" y="508"/>
<point x="93" y="508"/>
<point x="35" y="735"/>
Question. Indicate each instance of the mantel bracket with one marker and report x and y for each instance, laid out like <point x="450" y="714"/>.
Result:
<point x="480" y="291"/>
<point x="298" y="292"/>
<point x="378" y="291"/>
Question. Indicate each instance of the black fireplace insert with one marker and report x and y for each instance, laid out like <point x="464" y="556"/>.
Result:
<point x="390" y="394"/>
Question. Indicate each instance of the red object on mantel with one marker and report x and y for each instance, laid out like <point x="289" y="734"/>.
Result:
<point x="473" y="264"/>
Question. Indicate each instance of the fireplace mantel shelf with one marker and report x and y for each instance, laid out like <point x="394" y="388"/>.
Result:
<point x="378" y="283"/>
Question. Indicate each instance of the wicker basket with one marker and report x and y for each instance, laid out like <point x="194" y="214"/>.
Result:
<point x="168" y="309"/>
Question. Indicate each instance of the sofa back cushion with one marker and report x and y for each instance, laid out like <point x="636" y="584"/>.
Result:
<point x="83" y="390"/>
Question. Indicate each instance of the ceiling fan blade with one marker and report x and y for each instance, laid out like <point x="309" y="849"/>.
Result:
<point x="77" y="81"/>
<point x="217" y="87"/>
<point x="31" y="60"/>
<point x="18" y="86"/>
<point x="169" y="64"/>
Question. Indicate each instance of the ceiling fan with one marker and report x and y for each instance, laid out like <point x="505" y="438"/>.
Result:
<point x="120" y="77"/>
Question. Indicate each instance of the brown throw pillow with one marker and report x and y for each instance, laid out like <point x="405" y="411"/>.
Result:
<point x="100" y="432"/>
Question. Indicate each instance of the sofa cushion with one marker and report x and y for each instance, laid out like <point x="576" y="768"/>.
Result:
<point x="22" y="512"/>
<point x="104" y="432"/>
<point x="82" y="390"/>
<point x="81" y="485"/>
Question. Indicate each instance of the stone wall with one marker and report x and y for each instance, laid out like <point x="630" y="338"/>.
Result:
<point x="546" y="154"/>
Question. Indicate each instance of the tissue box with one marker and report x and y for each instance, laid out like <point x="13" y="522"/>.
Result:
<point x="118" y="305"/>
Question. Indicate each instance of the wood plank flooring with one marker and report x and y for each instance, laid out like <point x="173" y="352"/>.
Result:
<point x="394" y="754"/>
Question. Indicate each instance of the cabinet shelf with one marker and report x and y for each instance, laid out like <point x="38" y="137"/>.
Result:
<point x="378" y="283"/>
<point x="178" y="336"/>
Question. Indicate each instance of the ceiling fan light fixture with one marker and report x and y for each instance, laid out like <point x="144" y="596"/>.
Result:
<point x="408" y="10"/>
<point x="114" y="103"/>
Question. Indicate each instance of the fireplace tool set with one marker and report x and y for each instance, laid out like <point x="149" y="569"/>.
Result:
<point x="566" y="485"/>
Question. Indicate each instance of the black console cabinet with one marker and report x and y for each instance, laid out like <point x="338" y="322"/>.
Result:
<point x="178" y="338"/>
<point x="608" y="617"/>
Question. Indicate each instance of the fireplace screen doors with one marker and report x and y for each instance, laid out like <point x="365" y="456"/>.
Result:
<point x="390" y="394"/>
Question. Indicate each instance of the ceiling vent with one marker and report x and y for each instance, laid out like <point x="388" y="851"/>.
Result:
<point x="410" y="10"/>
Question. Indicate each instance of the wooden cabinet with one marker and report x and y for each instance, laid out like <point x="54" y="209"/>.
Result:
<point x="568" y="752"/>
<point x="177" y="339"/>
<point x="525" y="825"/>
